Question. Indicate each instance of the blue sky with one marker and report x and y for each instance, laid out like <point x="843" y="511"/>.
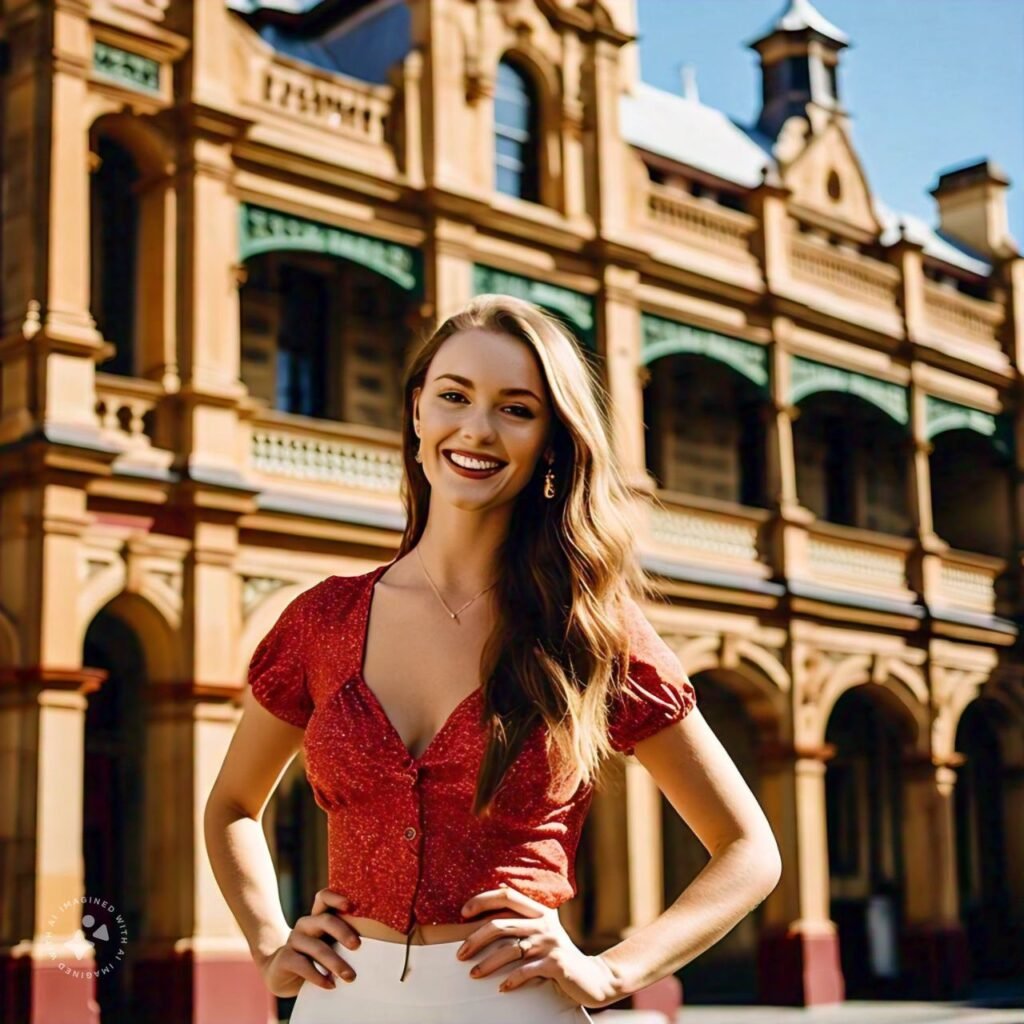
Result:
<point x="928" y="84"/>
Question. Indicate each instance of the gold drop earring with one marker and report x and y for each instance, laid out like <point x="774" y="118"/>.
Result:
<point x="549" y="479"/>
<point x="416" y="454"/>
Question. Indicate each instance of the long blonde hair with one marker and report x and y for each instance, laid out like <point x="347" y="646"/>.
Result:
<point x="558" y="646"/>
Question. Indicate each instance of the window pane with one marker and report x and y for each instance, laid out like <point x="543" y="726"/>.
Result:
<point x="508" y="181"/>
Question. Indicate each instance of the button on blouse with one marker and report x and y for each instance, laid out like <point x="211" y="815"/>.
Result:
<point x="403" y="845"/>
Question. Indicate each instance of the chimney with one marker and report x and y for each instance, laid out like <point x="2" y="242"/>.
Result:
<point x="972" y="206"/>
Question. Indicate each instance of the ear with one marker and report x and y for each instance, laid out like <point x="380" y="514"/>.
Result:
<point x="416" y="405"/>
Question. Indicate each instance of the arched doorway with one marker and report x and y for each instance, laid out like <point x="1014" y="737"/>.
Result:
<point x="726" y="973"/>
<point x="987" y="909"/>
<point x="864" y="819"/>
<point x="113" y="810"/>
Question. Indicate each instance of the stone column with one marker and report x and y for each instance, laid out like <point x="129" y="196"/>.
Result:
<point x="50" y="338"/>
<point x="798" y="959"/>
<point x="788" y="528"/>
<point x="448" y="268"/>
<point x="924" y="567"/>
<point x="935" y="954"/>
<point x="45" y="963"/>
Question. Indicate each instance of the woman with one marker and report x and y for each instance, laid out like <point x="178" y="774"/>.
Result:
<point x="455" y="706"/>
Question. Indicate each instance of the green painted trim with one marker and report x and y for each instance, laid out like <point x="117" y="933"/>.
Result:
<point x="130" y="69"/>
<point x="662" y="337"/>
<point x="941" y="415"/>
<point x="575" y="306"/>
<point x="264" y="230"/>
<point x="809" y="377"/>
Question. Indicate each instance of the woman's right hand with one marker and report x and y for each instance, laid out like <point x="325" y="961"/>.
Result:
<point x="298" y="960"/>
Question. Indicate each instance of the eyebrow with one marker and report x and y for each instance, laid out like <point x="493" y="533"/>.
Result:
<point x="504" y="391"/>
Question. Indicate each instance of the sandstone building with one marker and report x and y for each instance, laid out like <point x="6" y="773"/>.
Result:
<point x="223" y="224"/>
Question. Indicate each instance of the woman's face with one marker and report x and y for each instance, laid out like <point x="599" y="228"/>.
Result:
<point x="483" y="394"/>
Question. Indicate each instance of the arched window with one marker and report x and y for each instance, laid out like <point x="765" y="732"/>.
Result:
<point x="115" y="229"/>
<point x="516" y="167"/>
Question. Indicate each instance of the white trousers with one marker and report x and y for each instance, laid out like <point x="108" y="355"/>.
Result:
<point x="437" y="989"/>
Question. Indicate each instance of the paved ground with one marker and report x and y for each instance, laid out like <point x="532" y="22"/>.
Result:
<point x="852" y="1013"/>
<point x="992" y="1004"/>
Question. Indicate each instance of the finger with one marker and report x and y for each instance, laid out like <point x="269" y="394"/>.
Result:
<point x="542" y="967"/>
<point x="504" y="951"/>
<point x="301" y="966"/>
<point x="329" y="899"/>
<point x="503" y="897"/>
<point x="320" y="951"/>
<point x="317" y="925"/>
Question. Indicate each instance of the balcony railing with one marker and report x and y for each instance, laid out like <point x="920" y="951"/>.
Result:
<point x="700" y="222"/>
<point x="967" y="580"/>
<point x="345" y="106"/>
<point x="309" y="111"/>
<point x="282" y="447"/>
<point x="848" y="274"/>
<point x="960" y="317"/>
<point x="847" y="557"/>
<point x="719" y="534"/>
<point x="125" y="409"/>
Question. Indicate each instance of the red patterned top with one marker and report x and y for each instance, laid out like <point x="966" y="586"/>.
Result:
<point x="403" y="843"/>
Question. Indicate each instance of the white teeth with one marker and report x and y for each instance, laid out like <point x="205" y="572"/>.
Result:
<point x="468" y="463"/>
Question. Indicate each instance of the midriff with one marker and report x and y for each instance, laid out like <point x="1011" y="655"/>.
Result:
<point x="423" y="934"/>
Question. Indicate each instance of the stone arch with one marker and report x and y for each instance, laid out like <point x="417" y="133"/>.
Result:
<point x="899" y="687"/>
<point x="745" y="668"/>
<point x="158" y="630"/>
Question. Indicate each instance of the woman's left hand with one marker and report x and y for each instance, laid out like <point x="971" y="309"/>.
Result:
<point x="547" y="950"/>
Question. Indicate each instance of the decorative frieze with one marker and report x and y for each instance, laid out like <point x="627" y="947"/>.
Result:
<point x="808" y="377"/>
<point x="663" y="337"/>
<point x="129" y="69"/>
<point x="265" y="230"/>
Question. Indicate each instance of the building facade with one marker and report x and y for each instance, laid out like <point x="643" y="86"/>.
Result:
<point x="223" y="225"/>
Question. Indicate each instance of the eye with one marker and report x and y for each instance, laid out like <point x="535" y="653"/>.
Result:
<point x="527" y="414"/>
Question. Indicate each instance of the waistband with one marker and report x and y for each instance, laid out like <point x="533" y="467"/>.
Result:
<point x="432" y="964"/>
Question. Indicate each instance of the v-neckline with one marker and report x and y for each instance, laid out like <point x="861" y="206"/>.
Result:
<point x="410" y="758"/>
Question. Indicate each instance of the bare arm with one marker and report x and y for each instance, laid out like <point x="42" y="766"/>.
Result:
<point x="260" y="751"/>
<point x="700" y="780"/>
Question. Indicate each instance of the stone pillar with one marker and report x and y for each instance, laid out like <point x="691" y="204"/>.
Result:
<point x="788" y="529"/>
<point x="798" y="960"/>
<point x="935" y="954"/>
<point x="194" y="965"/>
<point x="50" y="338"/>
<point x="619" y="322"/>
<point x="770" y="242"/>
<point x="448" y="268"/>
<point x="46" y="966"/>
<point x="924" y="567"/>
<point x="606" y="152"/>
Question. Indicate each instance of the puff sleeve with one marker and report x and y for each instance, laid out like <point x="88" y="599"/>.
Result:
<point x="658" y="692"/>
<point x="277" y="670"/>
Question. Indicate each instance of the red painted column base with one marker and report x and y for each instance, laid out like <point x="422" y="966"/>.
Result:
<point x="41" y="992"/>
<point x="936" y="961"/>
<point x="201" y="988"/>
<point x="799" y="969"/>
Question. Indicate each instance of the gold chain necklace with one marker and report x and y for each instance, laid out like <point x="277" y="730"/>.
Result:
<point x="454" y="615"/>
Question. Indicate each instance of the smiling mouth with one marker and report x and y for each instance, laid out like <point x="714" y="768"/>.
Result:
<point x="474" y="474"/>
